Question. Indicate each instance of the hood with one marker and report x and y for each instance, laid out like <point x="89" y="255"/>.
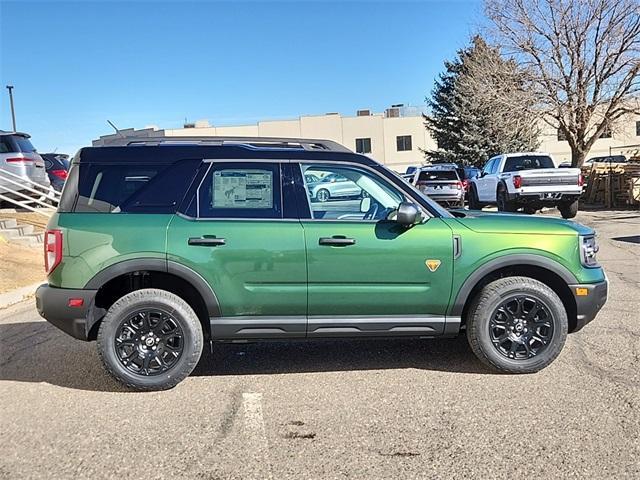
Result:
<point x="498" y="222"/>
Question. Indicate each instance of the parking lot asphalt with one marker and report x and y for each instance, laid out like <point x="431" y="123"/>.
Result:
<point x="336" y="409"/>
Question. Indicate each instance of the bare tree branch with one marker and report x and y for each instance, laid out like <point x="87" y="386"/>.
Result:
<point x="582" y="58"/>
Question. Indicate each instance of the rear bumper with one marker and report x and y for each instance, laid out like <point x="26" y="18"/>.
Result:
<point x="550" y="198"/>
<point x="590" y="298"/>
<point x="53" y="305"/>
<point x="446" y="198"/>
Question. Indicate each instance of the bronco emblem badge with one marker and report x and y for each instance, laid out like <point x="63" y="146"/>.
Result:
<point x="432" y="264"/>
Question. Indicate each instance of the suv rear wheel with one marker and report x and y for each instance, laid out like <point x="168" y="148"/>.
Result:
<point x="150" y="340"/>
<point x="517" y="325"/>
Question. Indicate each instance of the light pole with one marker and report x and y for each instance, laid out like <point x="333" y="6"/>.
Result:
<point x="13" y="113"/>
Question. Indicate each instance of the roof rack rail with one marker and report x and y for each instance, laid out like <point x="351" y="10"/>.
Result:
<point x="265" y="142"/>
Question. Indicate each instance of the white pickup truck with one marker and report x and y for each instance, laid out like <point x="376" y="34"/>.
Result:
<point x="528" y="180"/>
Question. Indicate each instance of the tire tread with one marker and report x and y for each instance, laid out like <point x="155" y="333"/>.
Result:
<point x="480" y="306"/>
<point x="142" y="295"/>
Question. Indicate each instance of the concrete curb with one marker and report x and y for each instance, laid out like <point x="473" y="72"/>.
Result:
<point x="19" y="294"/>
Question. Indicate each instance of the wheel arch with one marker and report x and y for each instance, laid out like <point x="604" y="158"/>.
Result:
<point x="551" y="273"/>
<point x="130" y="275"/>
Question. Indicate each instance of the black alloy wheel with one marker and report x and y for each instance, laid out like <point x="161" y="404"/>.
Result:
<point x="149" y="342"/>
<point x="521" y="327"/>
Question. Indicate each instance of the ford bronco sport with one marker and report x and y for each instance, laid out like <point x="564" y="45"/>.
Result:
<point x="159" y="247"/>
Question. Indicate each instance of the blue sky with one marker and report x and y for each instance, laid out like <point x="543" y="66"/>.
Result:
<point x="76" y="64"/>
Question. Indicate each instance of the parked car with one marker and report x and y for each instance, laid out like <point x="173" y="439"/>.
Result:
<point x="528" y="180"/>
<point x="331" y="187"/>
<point x="57" y="167"/>
<point x="606" y="159"/>
<point x="158" y="248"/>
<point x="469" y="173"/>
<point x="465" y="173"/>
<point x="441" y="184"/>
<point x="19" y="157"/>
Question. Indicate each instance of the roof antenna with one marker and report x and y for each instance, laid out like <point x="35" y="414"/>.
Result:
<point x="115" y="128"/>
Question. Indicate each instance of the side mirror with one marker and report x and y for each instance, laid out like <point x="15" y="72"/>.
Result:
<point x="481" y="174"/>
<point x="365" y="204"/>
<point x="407" y="214"/>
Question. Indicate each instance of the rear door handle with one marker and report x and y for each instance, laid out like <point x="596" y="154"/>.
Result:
<point x="207" y="241"/>
<point x="336" y="241"/>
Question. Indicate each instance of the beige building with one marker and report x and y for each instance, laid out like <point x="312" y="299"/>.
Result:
<point x="396" y="138"/>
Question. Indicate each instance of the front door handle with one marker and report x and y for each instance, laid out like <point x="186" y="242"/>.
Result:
<point x="207" y="241"/>
<point x="336" y="241"/>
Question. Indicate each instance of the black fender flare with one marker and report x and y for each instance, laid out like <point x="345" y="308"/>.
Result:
<point x="160" y="265"/>
<point x="520" y="259"/>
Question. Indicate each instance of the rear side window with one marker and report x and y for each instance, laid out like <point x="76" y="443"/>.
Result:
<point x="126" y="188"/>
<point x="24" y="144"/>
<point x="240" y="190"/>
<point x="527" y="162"/>
<point x="435" y="175"/>
<point x="5" y="144"/>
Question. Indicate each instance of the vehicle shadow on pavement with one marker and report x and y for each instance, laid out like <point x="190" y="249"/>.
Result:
<point x="38" y="352"/>
<point x="447" y="355"/>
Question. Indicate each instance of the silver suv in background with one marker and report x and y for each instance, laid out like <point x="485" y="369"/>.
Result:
<point x="440" y="183"/>
<point x="19" y="157"/>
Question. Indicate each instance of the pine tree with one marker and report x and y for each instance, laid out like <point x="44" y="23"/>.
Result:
<point x="480" y="107"/>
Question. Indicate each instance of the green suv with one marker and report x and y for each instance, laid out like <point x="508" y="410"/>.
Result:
<point x="159" y="246"/>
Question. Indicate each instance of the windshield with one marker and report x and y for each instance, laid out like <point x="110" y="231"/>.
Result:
<point x="527" y="162"/>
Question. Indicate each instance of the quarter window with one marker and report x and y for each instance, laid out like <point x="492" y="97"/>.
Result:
<point x="240" y="190"/>
<point x="363" y="145"/>
<point x="403" y="143"/>
<point x="349" y="193"/>
<point x="125" y="188"/>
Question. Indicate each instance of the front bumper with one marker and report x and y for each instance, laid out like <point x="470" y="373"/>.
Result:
<point x="590" y="298"/>
<point x="53" y="305"/>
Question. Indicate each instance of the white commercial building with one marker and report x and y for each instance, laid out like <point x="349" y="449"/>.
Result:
<point x="397" y="138"/>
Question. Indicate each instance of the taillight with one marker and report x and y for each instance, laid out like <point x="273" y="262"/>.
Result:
<point x="580" y="180"/>
<point x="459" y="185"/>
<point x="19" y="160"/>
<point x="465" y="184"/>
<point x="62" y="174"/>
<point x="517" y="181"/>
<point x="52" y="249"/>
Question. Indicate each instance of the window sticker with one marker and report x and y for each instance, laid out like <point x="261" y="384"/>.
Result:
<point x="242" y="189"/>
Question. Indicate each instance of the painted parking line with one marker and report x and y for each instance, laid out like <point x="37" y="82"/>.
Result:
<point x="255" y="429"/>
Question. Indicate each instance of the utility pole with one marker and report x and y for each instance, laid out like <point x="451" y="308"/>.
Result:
<point x="13" y="113"/>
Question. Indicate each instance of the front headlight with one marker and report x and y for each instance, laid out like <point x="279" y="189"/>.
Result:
<point x="588" y="250"/>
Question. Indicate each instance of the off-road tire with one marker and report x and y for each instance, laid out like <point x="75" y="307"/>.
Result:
<point x="474" y="201"/>
<point x="181" y="312"/>
<point x="504" y="205"/>
<point x="568" y="210"/>
<point x="487" y="302"/>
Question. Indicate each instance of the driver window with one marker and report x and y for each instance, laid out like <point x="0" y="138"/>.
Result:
<point x="488" y="166"/>
<point x="338" y="192"/>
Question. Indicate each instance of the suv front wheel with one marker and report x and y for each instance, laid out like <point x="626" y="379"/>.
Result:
<point x="150" y="339"/>
<point x="517" y="325"/>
